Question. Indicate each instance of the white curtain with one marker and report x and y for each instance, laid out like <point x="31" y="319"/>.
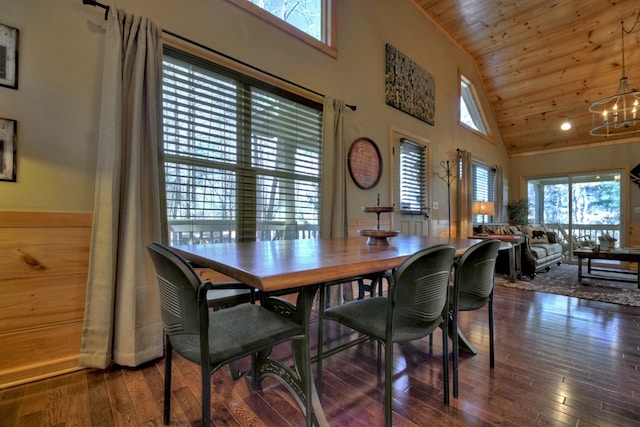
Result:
<point x="122" y="322"/>
<point x="333" y="202"/>
<point x="464" y="191"/>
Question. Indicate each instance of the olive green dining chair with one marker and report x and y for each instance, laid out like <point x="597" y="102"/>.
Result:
<point x="213" y="339"/>
<point x="225" y="293"/>
<point x="472" y="290"/>
<point x="416" y="304"/>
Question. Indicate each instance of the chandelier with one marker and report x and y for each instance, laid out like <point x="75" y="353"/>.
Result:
<point x="617" y="114"/>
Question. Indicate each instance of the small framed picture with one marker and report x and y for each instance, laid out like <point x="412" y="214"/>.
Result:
<point x="8" y="151"/>
<point x="8" y="56"/>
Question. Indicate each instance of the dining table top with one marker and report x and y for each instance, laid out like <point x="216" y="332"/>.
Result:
<point x="284" y="264"/>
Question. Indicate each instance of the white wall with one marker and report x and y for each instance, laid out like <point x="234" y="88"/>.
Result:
<point x="61" y="46"/>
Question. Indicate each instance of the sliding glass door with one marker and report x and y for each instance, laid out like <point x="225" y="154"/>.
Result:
<point x="579" y="207"/>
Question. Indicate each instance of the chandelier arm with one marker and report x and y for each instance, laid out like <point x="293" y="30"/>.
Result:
<point x="618" y="114"/>
<point x="633" y="26"/>
<point x="624" y="72"/>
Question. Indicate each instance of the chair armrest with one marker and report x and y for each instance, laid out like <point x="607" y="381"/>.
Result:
<point x="228" y="286"/>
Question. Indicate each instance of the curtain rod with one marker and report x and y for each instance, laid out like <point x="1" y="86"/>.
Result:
<point x="96" y="4"/>
<point x="106" y="15"/>
<point x="224" y="55"/>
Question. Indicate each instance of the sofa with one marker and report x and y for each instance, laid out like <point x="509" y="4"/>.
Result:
<point x="539" y="248"/>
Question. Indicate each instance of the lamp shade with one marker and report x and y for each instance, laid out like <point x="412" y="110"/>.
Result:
<point x="482" y="208"/>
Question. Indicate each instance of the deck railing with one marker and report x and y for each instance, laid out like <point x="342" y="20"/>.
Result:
<point x="184" y="232"/>
<point x="589" y="231"/>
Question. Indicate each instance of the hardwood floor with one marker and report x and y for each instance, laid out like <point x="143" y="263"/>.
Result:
<point x="559" y="361"/>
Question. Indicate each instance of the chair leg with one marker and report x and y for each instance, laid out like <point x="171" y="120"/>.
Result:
<point x="388" y="377"/>
<point x="376" y="282"/>
<point x="254" y="372"/>
<point x="234" y="372"/>
<point x="167" y="382"/>
<point x="320" y="351"/>
<point x="445" y="361"/>
<point x="206" y="396"/>
<point x="361" y="288"/>
<point x="492" y="361"/>
<point x="456" y="350"/>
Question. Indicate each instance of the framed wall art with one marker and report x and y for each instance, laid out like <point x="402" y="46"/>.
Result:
<point x="8" y="150"/>
<point x="409" y="87"/>
<point x="365" y="163"/>
<point x="8" y="56"/>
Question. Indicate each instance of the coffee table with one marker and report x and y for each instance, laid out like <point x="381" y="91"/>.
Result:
<point x="621" y="254"/>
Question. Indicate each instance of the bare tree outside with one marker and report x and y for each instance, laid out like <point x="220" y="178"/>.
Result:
<point x="306" y="15"/>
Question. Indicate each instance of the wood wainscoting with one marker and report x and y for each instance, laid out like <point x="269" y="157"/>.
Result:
<point x="44" y="260"/>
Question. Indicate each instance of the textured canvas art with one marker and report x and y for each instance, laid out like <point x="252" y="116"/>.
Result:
<point x="409" y="87"/>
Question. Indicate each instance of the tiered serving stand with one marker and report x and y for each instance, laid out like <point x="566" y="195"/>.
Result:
<point x="377" y="236"/>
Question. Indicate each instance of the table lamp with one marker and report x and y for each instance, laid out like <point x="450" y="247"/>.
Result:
<point x="482" y="208"/>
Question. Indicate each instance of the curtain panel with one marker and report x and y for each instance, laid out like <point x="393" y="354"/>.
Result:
<point x="499" y="205"/>
<point x="464" y="191"/>
<point x="333" y="198"/>
<point x="122" y="321"/>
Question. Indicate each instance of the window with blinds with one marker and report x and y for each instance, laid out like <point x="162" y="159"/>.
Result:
<point x="241" y="158"/>
<point x="413" y="185"/>
<point x="483" y="186"/>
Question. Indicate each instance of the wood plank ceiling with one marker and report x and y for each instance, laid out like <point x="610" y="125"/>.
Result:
<point x="545" y="61"/>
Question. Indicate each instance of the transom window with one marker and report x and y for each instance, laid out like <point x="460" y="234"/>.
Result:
<point x="309" y="20"/>
<point x="241" y="158"/>
<point x="471" y="114"/>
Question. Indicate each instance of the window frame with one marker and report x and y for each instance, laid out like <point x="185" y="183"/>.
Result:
<point x="263" y="80"/>
<point x="478" y="107"/>
<point x="422" y="173"/>
<point x="329" y="25"/>
<point x="491" y="188"/>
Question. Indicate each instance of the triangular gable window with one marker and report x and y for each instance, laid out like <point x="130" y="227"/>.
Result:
<point x="471" y="115"/>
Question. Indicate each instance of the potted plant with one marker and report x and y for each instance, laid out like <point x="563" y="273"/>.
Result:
<point x="518" y="211"/>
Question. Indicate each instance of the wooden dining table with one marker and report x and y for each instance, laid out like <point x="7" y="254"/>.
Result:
<point x="304" y="266"/>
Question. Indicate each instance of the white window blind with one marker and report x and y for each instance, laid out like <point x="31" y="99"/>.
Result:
<point x="242" y="158"/>
<point x="483" y="186"/>
<point x="413" y="186"/>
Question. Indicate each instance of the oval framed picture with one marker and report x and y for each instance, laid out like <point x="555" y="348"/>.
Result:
<point x="365" y="163"/>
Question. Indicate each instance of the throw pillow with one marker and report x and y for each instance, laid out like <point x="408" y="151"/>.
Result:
<point x="551" y="237"/>
<point x="539" y="235"/>
<point x="526" y="229"/>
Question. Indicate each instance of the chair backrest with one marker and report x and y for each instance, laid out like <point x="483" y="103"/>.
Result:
<point x="476" y="269"/>
<point x="179" y="285"/>
<point x="420" y="283"/>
